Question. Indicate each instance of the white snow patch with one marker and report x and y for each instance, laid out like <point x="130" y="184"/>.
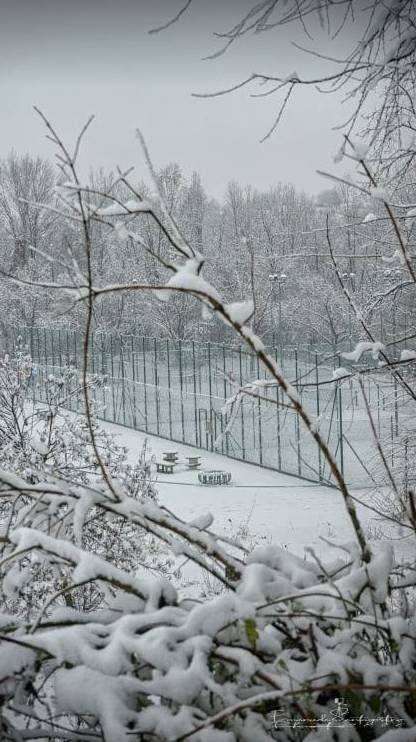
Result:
<point x="339" y="373"/>
<point x="122" y="209"/>
<point x="240" y="312"/>
<point x="408" y="355"/>
<point x="370" y="217"/>
<point x="364" y="347"/>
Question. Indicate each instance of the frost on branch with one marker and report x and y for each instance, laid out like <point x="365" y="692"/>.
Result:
<point x="132" y="206"/>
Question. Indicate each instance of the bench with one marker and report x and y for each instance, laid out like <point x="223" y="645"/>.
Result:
<point x="165" y="467"/>
<point x="214" y="477"/>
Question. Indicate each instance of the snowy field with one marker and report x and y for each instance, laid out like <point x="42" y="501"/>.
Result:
<point x="275" y="507"/>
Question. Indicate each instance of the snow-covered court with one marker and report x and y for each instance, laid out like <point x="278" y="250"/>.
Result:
<point x="273" y="507"/>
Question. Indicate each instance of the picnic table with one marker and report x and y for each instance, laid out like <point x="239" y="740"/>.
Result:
<point x="165" y="467"/>
<point x="193" y="462"/>
<point x="171" y="456"/>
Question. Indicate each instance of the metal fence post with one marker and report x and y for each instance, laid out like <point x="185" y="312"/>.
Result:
<point x="103" y="373"/>
<point x="60" y="350"/>
<point x="194" y="388"/>
<point x="318" y="412"/>
<point x="181" y="386"/>
<point x="210" y="395"/>
<point x="169" y="387"/>
<point x="45" y="350"/>
<point x="259" y="417"/>
<point x="297" y="425"/>
<point x="225" y="396"/>
<point x="340" y="429"/>
<point x="243" y="445"/>
<point x="396" y="406"/>
<point x="133" y="375"/>
<point x="52" y="349"/>
<point x="155" y="375"/>
<point x="279" y="449"/>
<point x="68" y="351"/>
<point x="145" y="384"/>
<point x="113" y="398"/>
<point x="123" y="379"/>
<point x="38" y="348"/>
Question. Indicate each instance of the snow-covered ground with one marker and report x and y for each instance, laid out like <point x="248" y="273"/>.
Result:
<point x="282" y="509"/>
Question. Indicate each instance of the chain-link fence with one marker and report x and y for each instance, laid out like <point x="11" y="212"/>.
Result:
<point x="178" y="390"/>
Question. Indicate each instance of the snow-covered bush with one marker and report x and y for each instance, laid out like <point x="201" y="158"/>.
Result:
<point x="45" y="440"/>
<point x="45" y="437"/>
<point x="400" y="453"/>
<point x="269" y="658"/>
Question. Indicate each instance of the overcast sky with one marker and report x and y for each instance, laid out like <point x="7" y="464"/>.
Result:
<point x="76" y="57"/>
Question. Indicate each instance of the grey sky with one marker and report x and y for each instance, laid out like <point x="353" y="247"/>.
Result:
<point x="76" y="57"/>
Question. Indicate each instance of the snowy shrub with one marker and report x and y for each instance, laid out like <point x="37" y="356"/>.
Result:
<point x="38" y="438"/>
<point x="45" y="440"/>
<point x="276" y="653"/>
<point x="400" y="454"/>
<point x="41" y="438"/>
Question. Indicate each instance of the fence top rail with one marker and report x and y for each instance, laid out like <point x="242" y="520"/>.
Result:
<point x="305" y="358"/>
<point x="183" y="343"/>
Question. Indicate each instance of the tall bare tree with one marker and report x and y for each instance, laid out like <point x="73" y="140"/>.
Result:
<point x="25" y="180"/>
